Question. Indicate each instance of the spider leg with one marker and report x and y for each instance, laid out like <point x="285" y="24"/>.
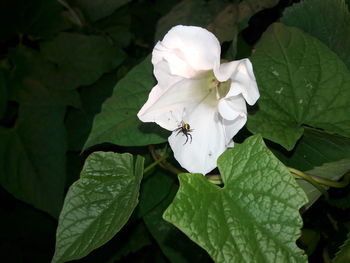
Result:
<point x="186" y="138"/>
<point x="190" y="137"/>
<point x="179" y="131"/>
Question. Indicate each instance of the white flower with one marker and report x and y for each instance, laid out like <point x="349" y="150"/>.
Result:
<point x="194" y="89"/>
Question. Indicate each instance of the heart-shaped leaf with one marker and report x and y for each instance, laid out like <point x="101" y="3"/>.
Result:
<point x="253" y="218"/>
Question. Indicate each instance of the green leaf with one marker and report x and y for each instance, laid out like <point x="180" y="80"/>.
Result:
<point x="98" y="205"/>
<point x="79" y="121"/>
<point x="314" y="149"/>
<point x="253" y="218"/>
<point x="301" y="82"/>
<point x="98" y="9"/>
<point x="117" y="26"/>
<point x="32" y="72"/>
<point x="3" y="94"/>
<point x="320" y="19"/>
<point x="118" y="123"/>
<point x="37" y="18"/>
<point x="32" y="165"/>
<point x="81" y="59"/>
<point x="343" y="255"/>
<point x="332" y="171"/>
<point x="175" y="245"/>
<point x="318" y="153"/>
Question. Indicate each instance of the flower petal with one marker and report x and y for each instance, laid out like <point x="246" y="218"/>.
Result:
<point x="234" y="115"/>
<point x="162" y="73"/>
<point x="243" y="79"/>
<point x="232" y="107"/>
<point x="200" y="154"/>
<point x="232" y="127"/>
<point x="168" y="107"/>
<point x="188" y="49"/>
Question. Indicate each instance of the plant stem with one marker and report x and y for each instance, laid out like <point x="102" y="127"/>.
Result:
<point x="300" y="175"/>
<point x="324" y="181"/>
<point x="331" y="183"/>
<point x="161" y="159"/>
<point x="166" y="165"/>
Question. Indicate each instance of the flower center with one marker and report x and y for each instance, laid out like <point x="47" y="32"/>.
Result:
<point x="220" y="88"/>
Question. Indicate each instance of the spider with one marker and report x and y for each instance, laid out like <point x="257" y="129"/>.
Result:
<point x="185" y="129"/>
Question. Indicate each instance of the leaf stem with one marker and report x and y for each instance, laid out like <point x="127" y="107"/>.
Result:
<point x="164" y="164"/>
<point x="300" y="175"/>
<point x="330" y="183"/>
<point x="324" y="181"/>
<point x="158" y="161"/>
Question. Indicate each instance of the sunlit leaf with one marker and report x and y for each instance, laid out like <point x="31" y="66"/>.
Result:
<point x="98" y="205"/>
<point x="301" y="82"/>
<point x="253" y="218"/>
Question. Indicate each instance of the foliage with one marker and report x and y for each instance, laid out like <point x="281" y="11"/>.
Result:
<point x="74" y="74"/>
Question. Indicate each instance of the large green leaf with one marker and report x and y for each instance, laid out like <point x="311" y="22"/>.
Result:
<point x="98" y="205"/>
<point x="301" y="82"/>
<point x="81" y="59"/>
<point x="327" y="20"/>
<point x="32" y="165"/>
<point x="118" y="123"/>
<point x="253" y="218"/>
<point x="32" y="72"/>
<point x="97" y="9"/>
